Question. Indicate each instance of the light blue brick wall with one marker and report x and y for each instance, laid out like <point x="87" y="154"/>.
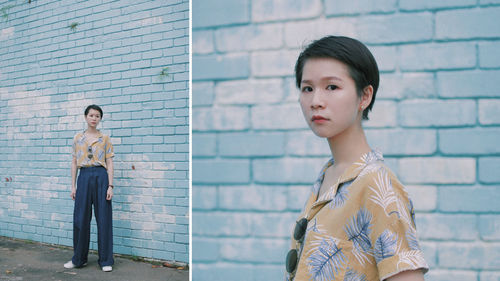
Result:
<point x="436" y="119"/>
<point x="49" y="74"/>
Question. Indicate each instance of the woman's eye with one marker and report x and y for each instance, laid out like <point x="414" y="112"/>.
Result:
<point x="307" y="89"/>
<point x="331" y="87"/>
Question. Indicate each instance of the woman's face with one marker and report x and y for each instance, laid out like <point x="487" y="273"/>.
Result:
<point x="93" y="118"/>
<point x="328" y="97"/>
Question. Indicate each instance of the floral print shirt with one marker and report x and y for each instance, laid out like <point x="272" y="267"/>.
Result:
<point x="362" y="228"/>
<point x="101" y="149"/>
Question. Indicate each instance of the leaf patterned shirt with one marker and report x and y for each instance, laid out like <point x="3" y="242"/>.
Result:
<point x="101" y="149"/>
<point x="362" y="228"/>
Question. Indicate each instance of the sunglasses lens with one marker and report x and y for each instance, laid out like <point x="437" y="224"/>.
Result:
<point x="291" y="260"/>
<point x="300" y="229"/>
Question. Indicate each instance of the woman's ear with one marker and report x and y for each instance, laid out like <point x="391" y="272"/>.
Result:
<point x="366" y="98"/>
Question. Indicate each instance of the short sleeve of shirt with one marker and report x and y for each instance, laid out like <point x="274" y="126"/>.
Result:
<point x="109" y="148"/>
<point x="393" y="237"/>
<point x="73" y="149"/>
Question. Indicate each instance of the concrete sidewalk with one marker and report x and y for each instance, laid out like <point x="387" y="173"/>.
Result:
<point x="21" y="260"/>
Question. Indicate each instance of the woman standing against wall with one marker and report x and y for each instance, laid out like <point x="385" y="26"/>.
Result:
<point x="358" y="223"/>
<point x="93" y="156"/>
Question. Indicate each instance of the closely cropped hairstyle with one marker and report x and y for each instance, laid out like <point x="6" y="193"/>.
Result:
<point x="359" y="60"/>
<point x="95" y="107"/>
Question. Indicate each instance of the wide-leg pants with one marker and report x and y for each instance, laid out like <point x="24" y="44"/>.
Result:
<point x="92" y="187"/>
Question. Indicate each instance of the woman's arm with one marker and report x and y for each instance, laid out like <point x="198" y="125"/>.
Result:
<point x="409" y="275"/>
<point x="109" y="165"/>
<point x="73" y="178"/>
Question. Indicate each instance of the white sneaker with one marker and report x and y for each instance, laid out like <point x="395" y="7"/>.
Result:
<point x="71" y="265"/>
<point x="107" y="268"/>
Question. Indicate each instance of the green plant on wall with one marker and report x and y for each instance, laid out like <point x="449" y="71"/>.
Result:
<point x="164" y="73"/>
<point x="4" y="12"/>
<point x="73" y="26"/>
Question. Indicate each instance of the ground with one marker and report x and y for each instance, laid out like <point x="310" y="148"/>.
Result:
<point x="25" y="260"/>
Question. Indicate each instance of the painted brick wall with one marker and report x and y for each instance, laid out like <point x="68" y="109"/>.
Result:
<point x="436" y="119"/>
<point x="50" y="73"/>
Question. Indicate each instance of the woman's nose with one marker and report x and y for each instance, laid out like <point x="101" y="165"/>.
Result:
<point x="317" y="100"/>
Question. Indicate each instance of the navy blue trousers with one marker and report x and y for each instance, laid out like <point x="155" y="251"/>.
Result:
<point x="92" y="187"/>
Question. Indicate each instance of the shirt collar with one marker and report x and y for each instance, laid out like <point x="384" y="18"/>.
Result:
<point x="99" y="135"/>
<point x="350" y="174"/>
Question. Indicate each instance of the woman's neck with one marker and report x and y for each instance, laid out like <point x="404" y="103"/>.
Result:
<point x="92" y="130"/>
<point x="349" y="146"/>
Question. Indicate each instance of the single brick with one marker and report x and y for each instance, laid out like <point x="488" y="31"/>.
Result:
<point x="472" y="199"/>
<point x="248" y="38"/>
<point x="271" y="271"/>
<point x="204" y="145"/>
<point x="488" y="111"/>
<point x="286" y="170"/>
<point x="489" y="227"/>
<point x="257" y="198"/>
<point x="306" y="143"/>
<point x="273" y="63"/>
<point x="424" y="197"/>
<point x="451" y="274"/>
<point x="467" y="23"/>
<point x="489" y="275"/>
<point x="386" y="57"/>
<point x="408" y="5"/>
<point x="300" y="33"/>
<point x="253" y="250"/>
<point x="205" y="250"/>
<point x="430" y="252"/>
<point x="224" y="271"/>
<point x="203" y="42"/>
<point x="273" y="225"/>
<point x="221" y="224"/>
<point x="221" y="118"/>
<point x="469" y="141"/>
<point x="275" y="10"/>
<point x="447" y="227"/>
<point x="224" y="12"/>
<point x="432" y="56"/>
<point x="383" y="115"/>
<point x="470" y="83"/>
<point x="394" y="28"/>
<point x="432" y="113"/>
<point x="338" y="7"/>
<point x="406" y="85"/>
<point x="251" y="144"/>
<point x="488" y="169"/>
<point x="211" y="171"/>
<point x="469" y="255"/>
<point x="439" y="170"/>
<point x="209" y="67"/>
<point x="297" y="196"/>
<point x="403" y="141"/>
<point x="285" y="116"/>
<point x="249" y="91"/>
<point x="488" y="54"/>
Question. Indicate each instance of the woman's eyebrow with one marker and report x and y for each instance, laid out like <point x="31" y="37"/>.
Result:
<point x="323" y="79"/>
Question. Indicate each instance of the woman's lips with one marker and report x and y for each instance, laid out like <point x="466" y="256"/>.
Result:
<point x="318" y="119"/>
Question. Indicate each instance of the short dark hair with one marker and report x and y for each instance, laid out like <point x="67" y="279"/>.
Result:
<point x="93" y="106"/>
<point x="359" y="60"/>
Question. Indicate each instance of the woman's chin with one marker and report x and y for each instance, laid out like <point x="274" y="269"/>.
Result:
<point x="322" y="133"/>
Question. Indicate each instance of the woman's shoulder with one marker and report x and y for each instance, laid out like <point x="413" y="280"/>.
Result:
<point x="105" y="137"/>
<point x="78" y="136"/>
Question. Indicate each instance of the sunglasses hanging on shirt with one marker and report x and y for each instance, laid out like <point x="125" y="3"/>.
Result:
<point x="90" y="155"/>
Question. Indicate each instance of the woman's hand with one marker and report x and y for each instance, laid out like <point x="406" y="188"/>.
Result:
<point x="109" y="195"/>
<point x="73" y="193"/>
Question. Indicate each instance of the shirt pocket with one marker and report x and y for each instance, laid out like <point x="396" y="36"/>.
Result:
<point x="324" y="257"/>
